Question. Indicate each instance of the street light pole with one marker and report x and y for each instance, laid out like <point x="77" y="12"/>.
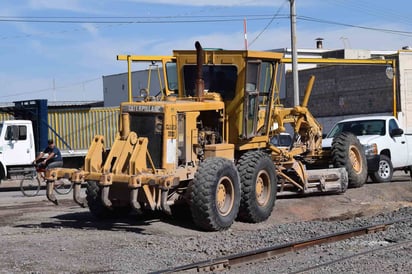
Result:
<point x="295" y="76"/>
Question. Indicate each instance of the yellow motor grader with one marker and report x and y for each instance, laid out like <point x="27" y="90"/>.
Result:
<point x="205" y="142"/>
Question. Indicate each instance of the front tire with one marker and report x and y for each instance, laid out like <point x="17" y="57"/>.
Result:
<point x="215" y="194"/>
<point x="347" y="152"/>
<point x="96" y="206"/>
<point x="385" y="172"/>
<point x="259" y="186"/>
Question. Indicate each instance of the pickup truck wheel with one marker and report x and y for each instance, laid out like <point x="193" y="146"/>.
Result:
<point x="215" y="194"/>
<point x="347" y="152"/>
<point x="259" y="186"/>
<point x="385" y="171"/>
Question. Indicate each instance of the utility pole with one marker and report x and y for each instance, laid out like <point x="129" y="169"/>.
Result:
<point x="54" y="89"/>
<point x="295" y="76"/>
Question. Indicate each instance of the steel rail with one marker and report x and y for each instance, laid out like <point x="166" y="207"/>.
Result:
<point x="224" y="263"/>
<point x="366" y="252"/>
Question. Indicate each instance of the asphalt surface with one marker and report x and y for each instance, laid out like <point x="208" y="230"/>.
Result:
<point x="10" y="185"/>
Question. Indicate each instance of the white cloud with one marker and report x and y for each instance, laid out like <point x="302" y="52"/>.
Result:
<point x="91" y="28"/>
<point x="72" y="57"/>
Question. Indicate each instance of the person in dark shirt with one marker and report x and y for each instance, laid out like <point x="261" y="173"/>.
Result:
<point x="54" y="157"/>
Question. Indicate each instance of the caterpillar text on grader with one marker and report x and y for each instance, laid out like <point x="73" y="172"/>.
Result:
<point x="204" y="142"/>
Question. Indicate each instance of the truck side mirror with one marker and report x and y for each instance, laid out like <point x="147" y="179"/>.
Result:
<point x="396" y="132"/>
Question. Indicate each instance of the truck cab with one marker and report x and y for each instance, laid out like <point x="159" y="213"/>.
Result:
<point x="17" y="148"/>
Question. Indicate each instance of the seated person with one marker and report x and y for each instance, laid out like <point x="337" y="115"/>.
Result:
<point x="54" y="158"/>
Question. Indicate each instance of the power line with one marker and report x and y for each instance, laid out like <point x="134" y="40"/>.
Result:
<point x="373" y="10"/>
<point x="110" y="21"/>
<point x="50" y="89"/>
<point x="135" y="20"/>
<point x="269" y="23"/>
<point x="391" y="31"/>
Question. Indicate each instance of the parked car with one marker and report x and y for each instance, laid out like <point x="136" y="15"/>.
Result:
<point x="386" y="146"/>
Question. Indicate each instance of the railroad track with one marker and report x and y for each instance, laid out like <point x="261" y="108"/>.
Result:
<point x="227" y="262"/>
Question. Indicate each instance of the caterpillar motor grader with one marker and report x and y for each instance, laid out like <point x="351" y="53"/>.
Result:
<point x="204" y="142"/>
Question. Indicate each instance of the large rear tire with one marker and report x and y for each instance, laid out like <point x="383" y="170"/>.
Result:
<point x="259" y="185"/>
<point x="385" y="172"/>
<point x="347" y="152"/>
<point x="215" y="194"/>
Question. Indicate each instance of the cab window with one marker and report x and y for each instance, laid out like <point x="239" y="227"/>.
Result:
<point x="217" y="78"/>
<point x="16" y="133"/>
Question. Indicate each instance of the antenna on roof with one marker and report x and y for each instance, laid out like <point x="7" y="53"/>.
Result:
<point x="245" y="32"/>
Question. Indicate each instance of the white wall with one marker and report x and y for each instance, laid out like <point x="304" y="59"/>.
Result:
<point x="115" y="87"/>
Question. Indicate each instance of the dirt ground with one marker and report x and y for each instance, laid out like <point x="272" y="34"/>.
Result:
<point x="33" y="230"/>
<point x="368" y="200"/>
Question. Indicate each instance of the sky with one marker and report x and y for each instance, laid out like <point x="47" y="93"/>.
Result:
<point x="60" y="49"/>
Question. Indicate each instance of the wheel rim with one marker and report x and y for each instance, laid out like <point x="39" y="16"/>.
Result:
<point x="225" y="196"/>
<point x="262" y="188"/>
<point x="355" y="159"/>
<point x="384" y="169"/>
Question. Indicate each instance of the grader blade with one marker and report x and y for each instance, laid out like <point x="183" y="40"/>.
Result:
<point x="333" y="180"/>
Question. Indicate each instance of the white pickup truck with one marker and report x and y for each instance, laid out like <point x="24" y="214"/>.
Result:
<point x="386" y="146"/>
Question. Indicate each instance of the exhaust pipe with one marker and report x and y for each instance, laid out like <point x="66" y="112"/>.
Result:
<point x="200" y="84"/>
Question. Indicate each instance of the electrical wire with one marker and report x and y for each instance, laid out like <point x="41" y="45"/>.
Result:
<point x="135" y="20"/>
<point x="390" y="31"/>
<point x="50" y="89"/>
<point x="269" y="23"/>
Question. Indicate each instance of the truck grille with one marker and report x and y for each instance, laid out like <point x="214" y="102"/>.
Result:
<point x="150" y="125"/>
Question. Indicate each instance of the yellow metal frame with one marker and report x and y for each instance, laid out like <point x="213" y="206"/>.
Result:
<point x="148" y="58"/>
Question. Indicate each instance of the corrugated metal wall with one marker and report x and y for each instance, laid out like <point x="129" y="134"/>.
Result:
<point x="77" y="127"/>
<point x="5" y="116"/>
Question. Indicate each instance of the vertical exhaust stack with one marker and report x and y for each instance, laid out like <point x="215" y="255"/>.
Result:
<point x="200" y="84"/>
<point x="125" y="130"/>
<point x="319" y="43"/>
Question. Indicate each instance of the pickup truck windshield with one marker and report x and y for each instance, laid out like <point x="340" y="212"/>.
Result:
<point x="359" y="128"/>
